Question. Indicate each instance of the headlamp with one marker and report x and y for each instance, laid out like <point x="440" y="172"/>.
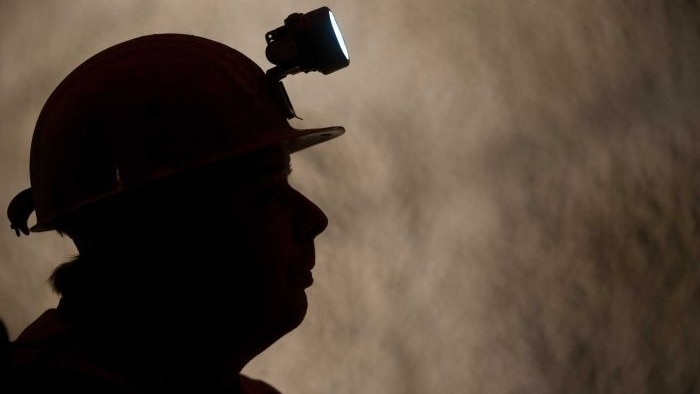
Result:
<point x="306" y="42"/>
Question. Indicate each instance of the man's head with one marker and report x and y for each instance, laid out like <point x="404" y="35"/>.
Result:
<point x="166" y="160"/>
<point x="150" y="108"/>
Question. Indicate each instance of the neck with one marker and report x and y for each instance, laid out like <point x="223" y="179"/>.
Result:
<point x="165" y="356"/>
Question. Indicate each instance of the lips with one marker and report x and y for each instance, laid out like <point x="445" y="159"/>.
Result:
<point x="308" y="259"/>
<point x="304" y="260"/>
<point x="301" y="278"/>
<point x="300" y="272"/>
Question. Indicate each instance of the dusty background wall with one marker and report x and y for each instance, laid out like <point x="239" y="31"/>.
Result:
<point x="515" y="207"/>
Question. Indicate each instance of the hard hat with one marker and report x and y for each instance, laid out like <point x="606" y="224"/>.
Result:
<point x="145" y="109"/>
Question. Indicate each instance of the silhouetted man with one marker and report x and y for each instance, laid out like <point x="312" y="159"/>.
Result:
<point x="166" y="160"/>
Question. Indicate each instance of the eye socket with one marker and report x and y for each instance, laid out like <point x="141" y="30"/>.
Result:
<point x="278" y="192"/>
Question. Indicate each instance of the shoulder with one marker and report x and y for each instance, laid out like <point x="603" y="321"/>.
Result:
<point x="44" y="358"/>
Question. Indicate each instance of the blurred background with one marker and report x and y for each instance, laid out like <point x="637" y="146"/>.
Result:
<point x="515" y="207"/>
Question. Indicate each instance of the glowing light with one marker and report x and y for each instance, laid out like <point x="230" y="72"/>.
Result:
<point x="339" y="35"/>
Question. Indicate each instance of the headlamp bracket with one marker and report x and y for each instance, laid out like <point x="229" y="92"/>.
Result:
<point x="306" y="42"/>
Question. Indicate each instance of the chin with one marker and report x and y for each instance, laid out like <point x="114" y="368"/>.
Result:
<point x="287" y="316"/>
<point x="294" y="312"/>
<point x="298" y="307"/>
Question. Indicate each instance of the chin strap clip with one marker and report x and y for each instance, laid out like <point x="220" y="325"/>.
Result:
<point x="19" y="210"/>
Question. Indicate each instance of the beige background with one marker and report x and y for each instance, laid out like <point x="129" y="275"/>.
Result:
<point x="514" y="209"/>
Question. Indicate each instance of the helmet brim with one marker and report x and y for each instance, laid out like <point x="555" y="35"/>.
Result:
<point x="306" y="138"/>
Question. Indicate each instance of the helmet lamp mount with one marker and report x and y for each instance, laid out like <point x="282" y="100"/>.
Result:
<point x="306" y="42"/>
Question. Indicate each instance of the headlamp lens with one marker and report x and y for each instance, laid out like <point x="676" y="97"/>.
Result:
<point x="338" y="35"/>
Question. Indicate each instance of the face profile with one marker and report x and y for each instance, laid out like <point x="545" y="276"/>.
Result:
<point x="261" y="222"/>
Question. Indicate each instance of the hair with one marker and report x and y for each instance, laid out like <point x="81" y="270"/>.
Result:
<point x="124" y="239"/>
<point x="67" y="276"/>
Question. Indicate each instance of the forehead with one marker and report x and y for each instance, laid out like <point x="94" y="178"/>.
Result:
<point x="265" y="162"/>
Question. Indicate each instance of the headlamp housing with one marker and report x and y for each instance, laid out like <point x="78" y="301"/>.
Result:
<point x="307" y="42"/>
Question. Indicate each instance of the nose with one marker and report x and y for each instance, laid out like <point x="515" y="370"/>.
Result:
<point x="310" y="219"/>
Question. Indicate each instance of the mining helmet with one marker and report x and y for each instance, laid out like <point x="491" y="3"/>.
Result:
<point x="146" y="109"/>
